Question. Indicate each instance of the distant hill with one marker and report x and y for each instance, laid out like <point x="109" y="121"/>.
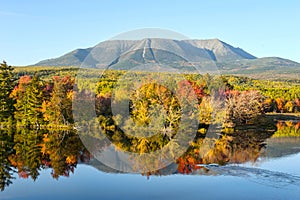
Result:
<point x="182" y="54"/>
<point x="73" y="58"/>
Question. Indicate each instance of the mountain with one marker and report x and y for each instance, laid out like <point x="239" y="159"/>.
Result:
<point x="74" y="58"/>
<point x="209" y="54"/>
<point x="106" y="53"/>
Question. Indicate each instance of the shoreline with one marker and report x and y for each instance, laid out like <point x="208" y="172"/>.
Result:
<point x="275" y="117"/>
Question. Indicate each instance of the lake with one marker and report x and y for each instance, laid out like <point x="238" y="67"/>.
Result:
<point x="52" y="164"/>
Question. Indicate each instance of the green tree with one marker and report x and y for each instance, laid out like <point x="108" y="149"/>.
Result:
<point x="29" y="98"/>
<point x="6" y="87"/>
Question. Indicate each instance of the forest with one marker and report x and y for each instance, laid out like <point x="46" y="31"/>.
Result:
<point x="43" y="96"/>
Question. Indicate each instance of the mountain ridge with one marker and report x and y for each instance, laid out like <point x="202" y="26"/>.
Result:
<point x="193" y="50"/>
<point x="213" y="54"/>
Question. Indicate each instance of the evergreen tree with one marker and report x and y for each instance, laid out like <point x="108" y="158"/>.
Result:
<point x="29" y="98"/>
<point x="6" y="87"/>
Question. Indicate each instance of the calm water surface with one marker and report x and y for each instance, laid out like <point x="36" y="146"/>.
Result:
<point x="270" y="171"/>
<point x="89" y="183"/>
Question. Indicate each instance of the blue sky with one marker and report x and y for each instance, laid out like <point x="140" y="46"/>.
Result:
<point x="33" y="30"/>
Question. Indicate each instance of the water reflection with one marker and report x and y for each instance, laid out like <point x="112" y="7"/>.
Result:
<point x="24" y="153"/>
<point x="261" y="176"/>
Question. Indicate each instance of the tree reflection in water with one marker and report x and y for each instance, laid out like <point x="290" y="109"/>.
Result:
<point x="25" y="152"/>
<point x="29" y="151"/>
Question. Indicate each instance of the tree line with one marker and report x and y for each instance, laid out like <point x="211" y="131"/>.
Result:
<point x="280" y="96"/>
<point x="39" y="100"/>
<point x="31" y="101"/>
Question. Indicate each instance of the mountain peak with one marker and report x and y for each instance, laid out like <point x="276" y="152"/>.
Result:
<point x="160" y="50"/>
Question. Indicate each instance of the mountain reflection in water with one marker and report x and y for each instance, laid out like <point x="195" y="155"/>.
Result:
<point x="24" y="153"/>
